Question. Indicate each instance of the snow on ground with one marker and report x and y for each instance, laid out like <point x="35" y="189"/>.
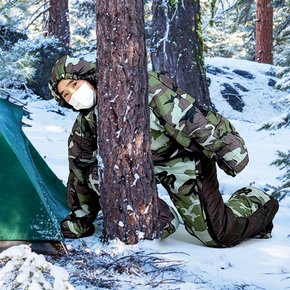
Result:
<point x="181" y="261"/>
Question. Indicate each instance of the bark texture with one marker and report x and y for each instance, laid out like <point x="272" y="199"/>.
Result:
<point x="264" y="32"/>
<point x="177" y="46"/>
<point x="58" y="22"/>
<point x="127" y="182"/>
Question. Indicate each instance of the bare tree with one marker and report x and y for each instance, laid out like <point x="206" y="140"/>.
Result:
<point x="58" y="22"/>
<point x="264" y="32"/>
<point x="126" y="178"/>
<point x="177" y="46"/>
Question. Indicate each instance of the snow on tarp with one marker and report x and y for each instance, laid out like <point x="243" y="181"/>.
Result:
<point x="32" y="198"/>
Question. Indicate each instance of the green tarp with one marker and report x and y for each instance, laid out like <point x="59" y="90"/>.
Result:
<point x="32" y="198"/>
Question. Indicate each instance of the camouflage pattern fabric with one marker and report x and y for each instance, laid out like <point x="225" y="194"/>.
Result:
<point x="177" y="123"/>
<point x="194" y="128"/>
<point x="71" y="68"/>
<point x="187" y="142"/>
<point x="83" y="174"/>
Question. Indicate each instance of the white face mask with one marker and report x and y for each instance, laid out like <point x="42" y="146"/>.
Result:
<point x="83" y="98"/>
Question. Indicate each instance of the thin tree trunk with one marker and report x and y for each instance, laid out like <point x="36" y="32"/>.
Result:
<point x="264" y="32"/>
<point x="58" y="22"/>
<point x="127" y="182"/>
<point x="177" y="46"/>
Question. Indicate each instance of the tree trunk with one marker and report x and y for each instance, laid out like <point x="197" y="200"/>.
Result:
<point x="177" y="46"/>
<point x="264" y="32"/>
<point x="126" y="179"/>
<point x="58" y="22"/>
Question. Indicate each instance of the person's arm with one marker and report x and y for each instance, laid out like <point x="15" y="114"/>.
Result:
<point x="82" y="146"/>
<point x="196" y="128"/>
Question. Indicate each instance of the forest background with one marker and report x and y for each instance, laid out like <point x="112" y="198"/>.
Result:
<point x="30" y="42"/>
<point x="34" y="34"/>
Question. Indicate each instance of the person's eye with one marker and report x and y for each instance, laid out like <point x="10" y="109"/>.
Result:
<point x="74" y="84"/>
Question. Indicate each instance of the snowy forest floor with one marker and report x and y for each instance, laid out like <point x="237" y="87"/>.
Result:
<point x="180" y="261"/>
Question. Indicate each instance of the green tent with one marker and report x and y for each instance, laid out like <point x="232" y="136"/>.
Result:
<point x="32" y="198"/>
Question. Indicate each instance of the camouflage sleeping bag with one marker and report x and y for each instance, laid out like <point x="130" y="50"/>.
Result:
<point x="187" y="143"/>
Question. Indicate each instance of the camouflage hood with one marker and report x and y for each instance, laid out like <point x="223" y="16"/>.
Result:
<point x="71" y="68"/>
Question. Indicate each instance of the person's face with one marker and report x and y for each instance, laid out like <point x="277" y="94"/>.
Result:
<point x="67" y="87"/>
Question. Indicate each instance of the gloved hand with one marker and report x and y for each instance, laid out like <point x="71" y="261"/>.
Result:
<point x="78" y="224"/>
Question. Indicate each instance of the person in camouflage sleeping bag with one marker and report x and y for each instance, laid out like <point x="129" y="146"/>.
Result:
<point x="187" y="143"/>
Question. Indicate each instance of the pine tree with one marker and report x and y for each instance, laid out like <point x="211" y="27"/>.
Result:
<point x="58" y="22"/>
<point x="126" y="179"/>
<point x="283" y="162"/>
<point x="264" y="32"/>
<point x="177" y="46"/>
